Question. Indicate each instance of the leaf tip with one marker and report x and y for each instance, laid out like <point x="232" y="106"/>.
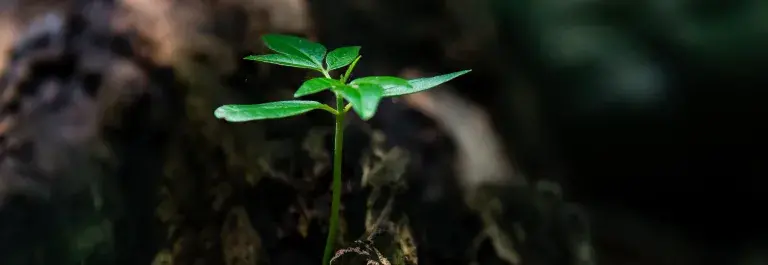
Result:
<point x="366" y="117"/>
<point x="363" y="114"/>
<point x="220" y="112"/>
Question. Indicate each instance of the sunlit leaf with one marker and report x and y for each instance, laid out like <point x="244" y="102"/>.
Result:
<point x="364" y="98"/>
<point x="295" y="46"/>
<point x="341" y="57"/>
<point x="284" y="60"/>
<point x="272" y="110"/>
<point x="421" y="84"/>
<point x="386" y="82"/>
<point x="316" y="85"/>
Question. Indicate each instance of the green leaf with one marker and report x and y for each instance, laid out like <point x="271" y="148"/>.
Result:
<point x="284" y="60"/>
<point x="316" y="85"/>
<point x="386" y="82"/>
<point x="272" y="110"/>
<point x="295" y="46"/>
<point x="341" y="57"/>
<point x="421" y="84"/>
<point x="364" y="98"/>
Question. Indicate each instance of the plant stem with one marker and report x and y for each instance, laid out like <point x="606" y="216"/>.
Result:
<point x="345" y="77"/>
<point x="333" y="227"/>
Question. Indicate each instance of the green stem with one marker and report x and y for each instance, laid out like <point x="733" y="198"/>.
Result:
<point x="333" y="227"/>
<point x="345" y="77"/>
<point x="329" y="109"/>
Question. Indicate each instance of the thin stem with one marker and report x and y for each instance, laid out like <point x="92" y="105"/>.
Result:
<point x="333" y="227"/>
<point x="346" y="75"/>
<point x="329" y="109"/>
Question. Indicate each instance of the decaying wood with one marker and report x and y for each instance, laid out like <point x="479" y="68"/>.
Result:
<point x="482" y="160"/>
<point x="106" y="99"/>
<point x="486" y="174"/>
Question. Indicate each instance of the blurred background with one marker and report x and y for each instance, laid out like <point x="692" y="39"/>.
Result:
<point x="589" y="132"/>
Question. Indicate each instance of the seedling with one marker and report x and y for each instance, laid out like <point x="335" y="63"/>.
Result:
<point x="362" y="94"/>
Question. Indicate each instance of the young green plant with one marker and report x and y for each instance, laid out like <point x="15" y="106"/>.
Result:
<point x="362" y="94"/>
